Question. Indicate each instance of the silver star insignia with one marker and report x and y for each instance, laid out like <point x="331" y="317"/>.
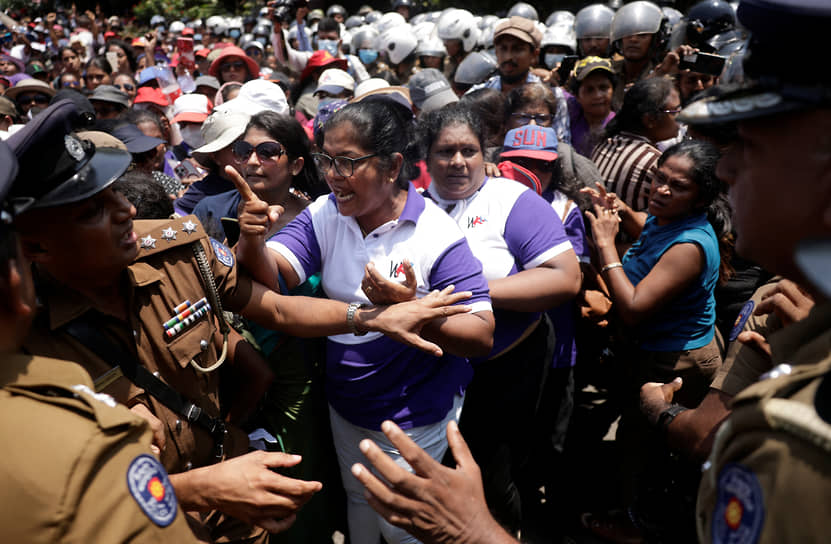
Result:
<point x="148" y="242"/>
<point x="168" y="234"/>
<point x="188" y="227"/>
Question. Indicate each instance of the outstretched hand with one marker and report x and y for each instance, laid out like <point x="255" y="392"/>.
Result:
<point x="380" y="290"/>
<point x="249" y="488"/>
<point x="437" y="504"/>
<point x="257" y="219"/>
<point x="403" y="321"/>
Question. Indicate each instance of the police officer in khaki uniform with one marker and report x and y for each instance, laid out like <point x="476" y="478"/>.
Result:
<point x="76" y="466"/>
<point x="768" y="478"/>
<point x="114" y="291"/>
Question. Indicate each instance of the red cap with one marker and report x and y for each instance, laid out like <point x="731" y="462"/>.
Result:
<point x="322" y="58"/>
<point x="151" y="95"/>
<point x="234" y="51"/>
<point x="188" y="32"/>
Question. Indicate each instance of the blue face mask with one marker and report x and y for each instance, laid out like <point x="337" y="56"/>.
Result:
<point x="328" y="45"/>
<point x="368" y="56"/>
<point x="234" y="33"/>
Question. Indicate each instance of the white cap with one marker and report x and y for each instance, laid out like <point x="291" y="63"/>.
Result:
<point x="192" y="108"/>
<point x="371" y="84"/>
<point x="334" y="81"/>
<point x="255" y="96"/>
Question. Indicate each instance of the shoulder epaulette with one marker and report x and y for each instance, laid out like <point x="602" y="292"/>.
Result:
<point x="155" y="236"/>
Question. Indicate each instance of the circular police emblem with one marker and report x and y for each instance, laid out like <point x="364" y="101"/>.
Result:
<point x="149" y="485"/>
<point x="744" y="315"/>
<point x="740" y="506"/>
<point x="222" y="253"/>
<point x="74" y="147"/>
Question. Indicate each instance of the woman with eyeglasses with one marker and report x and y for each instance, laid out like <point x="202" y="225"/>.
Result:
<point x="530" y="266"/>
<point x="98" y="72"/>
<point x="375" y="220"/>
<point x="627" y="159"/>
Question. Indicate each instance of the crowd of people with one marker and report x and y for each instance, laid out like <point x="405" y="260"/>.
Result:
<point x="414" y="276"/>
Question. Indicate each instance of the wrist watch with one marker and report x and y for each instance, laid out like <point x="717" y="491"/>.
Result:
<point x="350" y="318"/>
<point x="668" y="415"/>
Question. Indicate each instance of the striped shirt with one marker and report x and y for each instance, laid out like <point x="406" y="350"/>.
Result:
<point x="627" y="163"/>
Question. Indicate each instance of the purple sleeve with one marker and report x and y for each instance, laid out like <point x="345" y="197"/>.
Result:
<point x="457" y="266"/>
<point x="299" y="237"/>
<point x="533" y="228"/>
<point x="576" y="232"/>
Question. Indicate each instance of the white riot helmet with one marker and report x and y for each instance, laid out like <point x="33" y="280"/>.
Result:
<point x="424" y="30"/>
<point x="353" y="21"/>
<point x="475" y="68"/>
<point x="398" y="42"/>
<point x="364" y="37"/>
<point x="521" y="9"/>
<point x="560" y="16"/>
<point x="389" y="20"/>
<point x="431" y="47"/>
<point x="176" y="27"/>
<point x="488" y="21"/>
<point x="335" y="9"/>
<point x="458" y="24"/>
<point x="561" y="34"/>
<point x="485" y="40"/>
<point x="594" y="21"/>
<point x="639" y="17"/>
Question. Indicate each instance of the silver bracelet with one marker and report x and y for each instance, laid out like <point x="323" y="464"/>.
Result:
<point x="609" y="266"/>
<point x="350" y="317"/>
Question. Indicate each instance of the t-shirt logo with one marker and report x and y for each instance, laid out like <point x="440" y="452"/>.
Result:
<point x="396" y="269"/>
<point x="474" y="221"/>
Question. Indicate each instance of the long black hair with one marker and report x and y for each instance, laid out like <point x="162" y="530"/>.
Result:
<point x="288" y="131"/>
<point x="382" y="126"/>
<point x="646" y="97"/>
<point x="712" y="194"/>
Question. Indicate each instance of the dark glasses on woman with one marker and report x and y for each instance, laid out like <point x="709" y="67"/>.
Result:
<point x="265" y="151"/>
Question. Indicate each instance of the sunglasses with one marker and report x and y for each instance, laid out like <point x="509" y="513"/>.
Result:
<point x="126" y="87"/>
<point x="265" y="151"/>
<point x="236" y="65"/>
<point x="71" y="84"/>
<point x="542" y="119"/>
<point x="32" y="99"/>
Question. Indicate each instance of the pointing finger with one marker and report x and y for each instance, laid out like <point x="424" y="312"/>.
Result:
<point x="239" y="182"/>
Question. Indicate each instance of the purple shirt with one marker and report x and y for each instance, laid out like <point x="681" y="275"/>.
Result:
<point x="372" y="378"/>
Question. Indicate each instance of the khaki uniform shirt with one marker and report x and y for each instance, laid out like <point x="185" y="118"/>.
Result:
<point x="619" y="67"/>
<point x="742" y="364"/>
<point x="164" y="275"/>
<point x="76" y="466"/>
<point x="768" y="478"/>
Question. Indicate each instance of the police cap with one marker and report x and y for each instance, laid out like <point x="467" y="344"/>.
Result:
<point x="775" y="82"/>
<point x="56" y="167"/>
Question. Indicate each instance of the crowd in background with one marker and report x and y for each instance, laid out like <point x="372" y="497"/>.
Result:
<point x="376" y="157"/>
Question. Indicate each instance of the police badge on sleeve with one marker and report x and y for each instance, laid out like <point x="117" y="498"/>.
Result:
<point x="149" y="485"/>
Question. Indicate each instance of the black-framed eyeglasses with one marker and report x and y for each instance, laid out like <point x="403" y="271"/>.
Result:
<point x="344" y="166"/>
<point x="542" y="119"/>
<point x="236" y="65"/>
<point x="27" y="99"/>
<point x="265" y="151"/>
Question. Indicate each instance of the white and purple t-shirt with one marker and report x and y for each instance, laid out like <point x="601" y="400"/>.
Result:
<point x="371" y="378"/>
<point x="510" y="229"/>
<point x="564" y="317"/>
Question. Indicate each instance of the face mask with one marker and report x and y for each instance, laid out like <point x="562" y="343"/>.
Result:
<point x="328" y="45"/>
<point x="263" y="40"/>
<point x="192" y="136"/>
<point x="552" y="59"/>
<point x="234" y="33"/>
<point x="368" y="56"/>
<point x="325" y="101"/>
